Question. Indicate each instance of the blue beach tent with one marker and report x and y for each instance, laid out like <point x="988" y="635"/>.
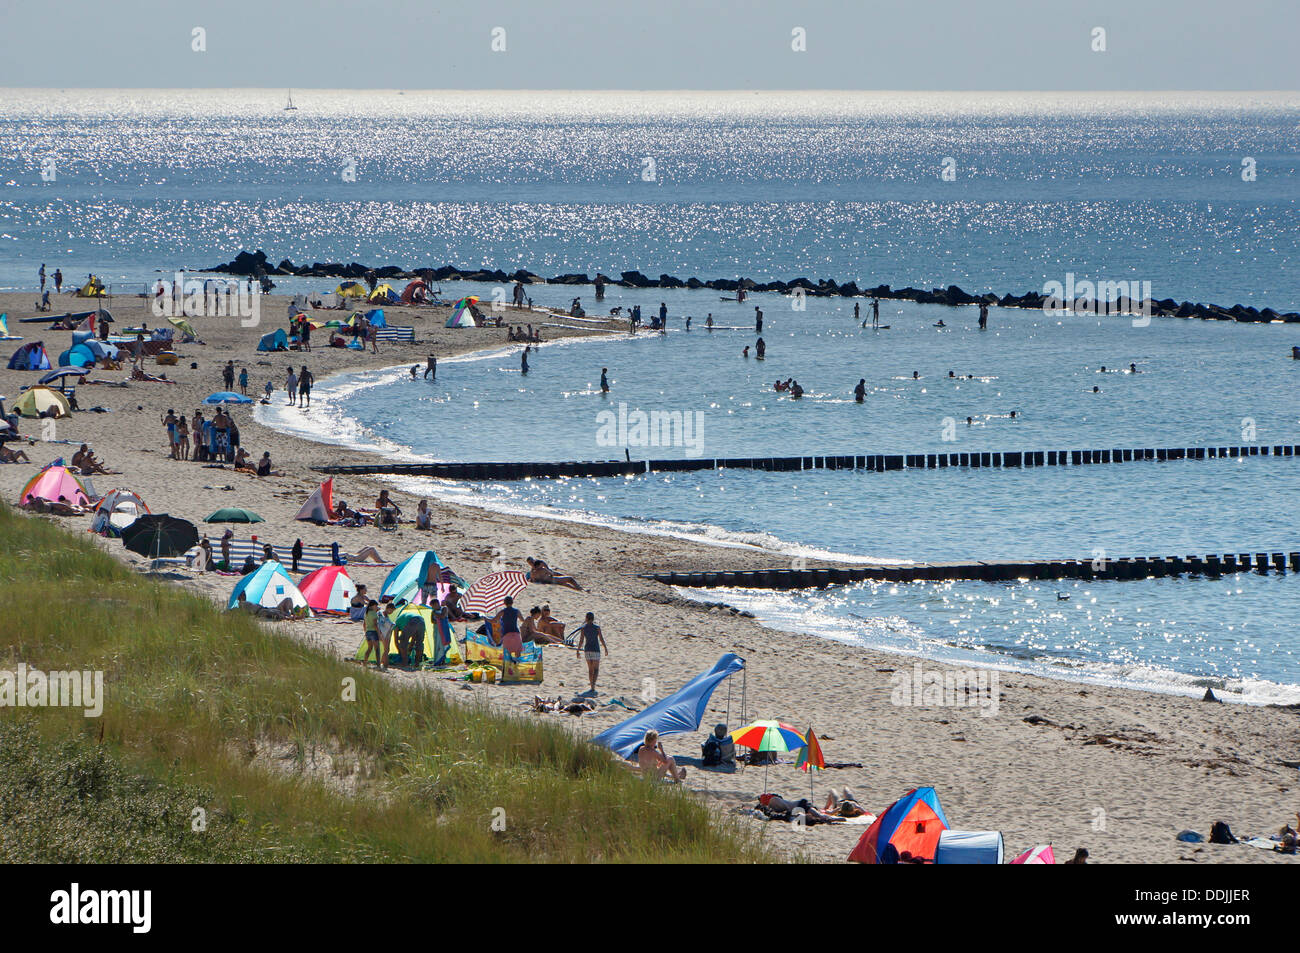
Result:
<point x="969" y="847"/>
<point x="376" y="318"/>
<point x="681" y="711"/>
<point x="415" y="570"/>
<point x="277" y="340"/>
<point x="227" y="397"/>
<point x="30" y="357"/>
<point x="268" y="586"/>
<point x="77" y="356"/>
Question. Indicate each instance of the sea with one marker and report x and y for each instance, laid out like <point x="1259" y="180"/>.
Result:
<point x="1195" y="194"/>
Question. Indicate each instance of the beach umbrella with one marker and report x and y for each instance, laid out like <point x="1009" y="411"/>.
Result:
<point x="226" y="397"/>
<point x="810" y="758"/>
<point x="488" y="594"/>
<point x="157" y="535"/>
<point x="1042" y="854"/>
<point x="233" y="514"/>
<point x="767" y="735"/>
<point x="61" y="373"/>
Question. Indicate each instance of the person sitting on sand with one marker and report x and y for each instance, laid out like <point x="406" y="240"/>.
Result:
<point x="85" y="459"/>
<point x="452" y="604"/>
<point x="654" y="761"/>
<point x="242" y="462"/>
<point x="12" y="456"/>
<point x="249" y="565"/>
<point x="541" y="574"/>
<point x="264" y="466"/>
<point x="532" y="633"/>
<point x="549" y="625"/>
<point x="423" y="519"/>
<point x="389" y="513"/>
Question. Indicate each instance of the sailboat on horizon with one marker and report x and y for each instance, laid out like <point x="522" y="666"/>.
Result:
<point x="290" y="106"/>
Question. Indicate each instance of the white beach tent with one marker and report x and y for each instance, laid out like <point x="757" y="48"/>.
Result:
<point x="117" y="511"/>
<point x="969" y="847"/>
<point x="319" y="506"/>
<point x="268" y="587"/>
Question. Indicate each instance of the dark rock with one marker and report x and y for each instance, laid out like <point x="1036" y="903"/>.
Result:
<point x="668" y="281"/>
<point x="634" y="279"/>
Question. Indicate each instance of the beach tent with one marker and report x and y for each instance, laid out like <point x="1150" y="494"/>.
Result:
<point x="415" y="291"/>
<point x="440" y="647"/>
<point x="77" y="356"/>
<point x="116" y="511"/>
<point x="319" y="507"/>
<point x="56" y="481"/>
<point x="38" y="401"/>
<point x="461" y="315"/>
<point x="969" y="847"/>
<point x="415" y="569"/>
<point x="94" y="288"/>
<point x="328" y="589"/>
<point x="385" y="295"/>
<point x="30" y="357"/>
<point x="351" y="289"/>
<point x="912" y="824"/>
<point x="681" y="711"/>
<point x="1042" y="854"/>
<point x="376" y="318"/>
<point x="276" y="340"/>
<point x="268" y="586"/>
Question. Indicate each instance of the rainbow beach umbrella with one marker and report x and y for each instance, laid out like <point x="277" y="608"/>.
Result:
<point x="768" y="736"/>
<point x="810" y="758"/>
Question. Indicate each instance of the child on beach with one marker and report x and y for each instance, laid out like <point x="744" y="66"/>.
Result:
<point x="243" y="381"/>
<point x="291" y="385"/>
<point x="372" y="632"/>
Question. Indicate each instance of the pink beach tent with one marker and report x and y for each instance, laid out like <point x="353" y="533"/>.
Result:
<point x="1041" y="854"/>
<point x="53" y="482"/>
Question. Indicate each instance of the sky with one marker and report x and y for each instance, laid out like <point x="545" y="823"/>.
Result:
<point x="672" y="44"/>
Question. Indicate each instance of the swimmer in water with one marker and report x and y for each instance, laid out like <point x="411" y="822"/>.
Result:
<point x="940" y="324"/>
<point x="796" y="391"/>
<point x="1133" y="369"/>
<point x="860" y="392"/>
<point x="1103" y="369"/>
<point x="708" y="322"/>
<point x="746" y="351"/>
<point x="760" y="349"/>
<point x="916" y="375"/>
<point x="951" y="374"/>
<point x="523" y="360"/>
<point x="1096" y="390"/>
<point x="1013" y="415"/>
<point x="604" y="380"/>
<point x="969" y="421"/>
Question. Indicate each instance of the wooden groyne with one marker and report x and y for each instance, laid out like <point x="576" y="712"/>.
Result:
<point x="870" y="463"/>
<point x="993" y="570"/>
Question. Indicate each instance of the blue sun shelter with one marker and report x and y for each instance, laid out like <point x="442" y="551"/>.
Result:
<point x="415" y="570"/>
<point x="268" y="587"/>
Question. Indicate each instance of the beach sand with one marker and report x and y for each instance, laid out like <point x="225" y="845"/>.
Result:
<point x="1117" y="771"/>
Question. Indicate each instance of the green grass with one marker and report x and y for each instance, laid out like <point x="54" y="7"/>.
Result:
<point x="191" y="693"/>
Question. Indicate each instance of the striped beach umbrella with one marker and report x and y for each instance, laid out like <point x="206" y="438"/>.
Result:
<point x="488" y="594"/>
<point x="1042" y="854"/>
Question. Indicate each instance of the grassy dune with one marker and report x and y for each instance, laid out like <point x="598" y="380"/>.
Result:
<point x="208" y="710"/>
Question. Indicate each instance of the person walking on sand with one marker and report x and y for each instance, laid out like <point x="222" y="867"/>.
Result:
<point x="505" y="624"/>
<point x="304" y="387"/>
<point x="291" y="385"/>
<point x="228" y="375"/>
<point x="137" y="350"/>
<point x="590" y="641"/>
<point x="243" y="381"/>
<point x="296" y="553"/>
<point x="372" y="635"/>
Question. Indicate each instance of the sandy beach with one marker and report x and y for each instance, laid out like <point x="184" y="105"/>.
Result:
<point x="1117" y="771"/>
